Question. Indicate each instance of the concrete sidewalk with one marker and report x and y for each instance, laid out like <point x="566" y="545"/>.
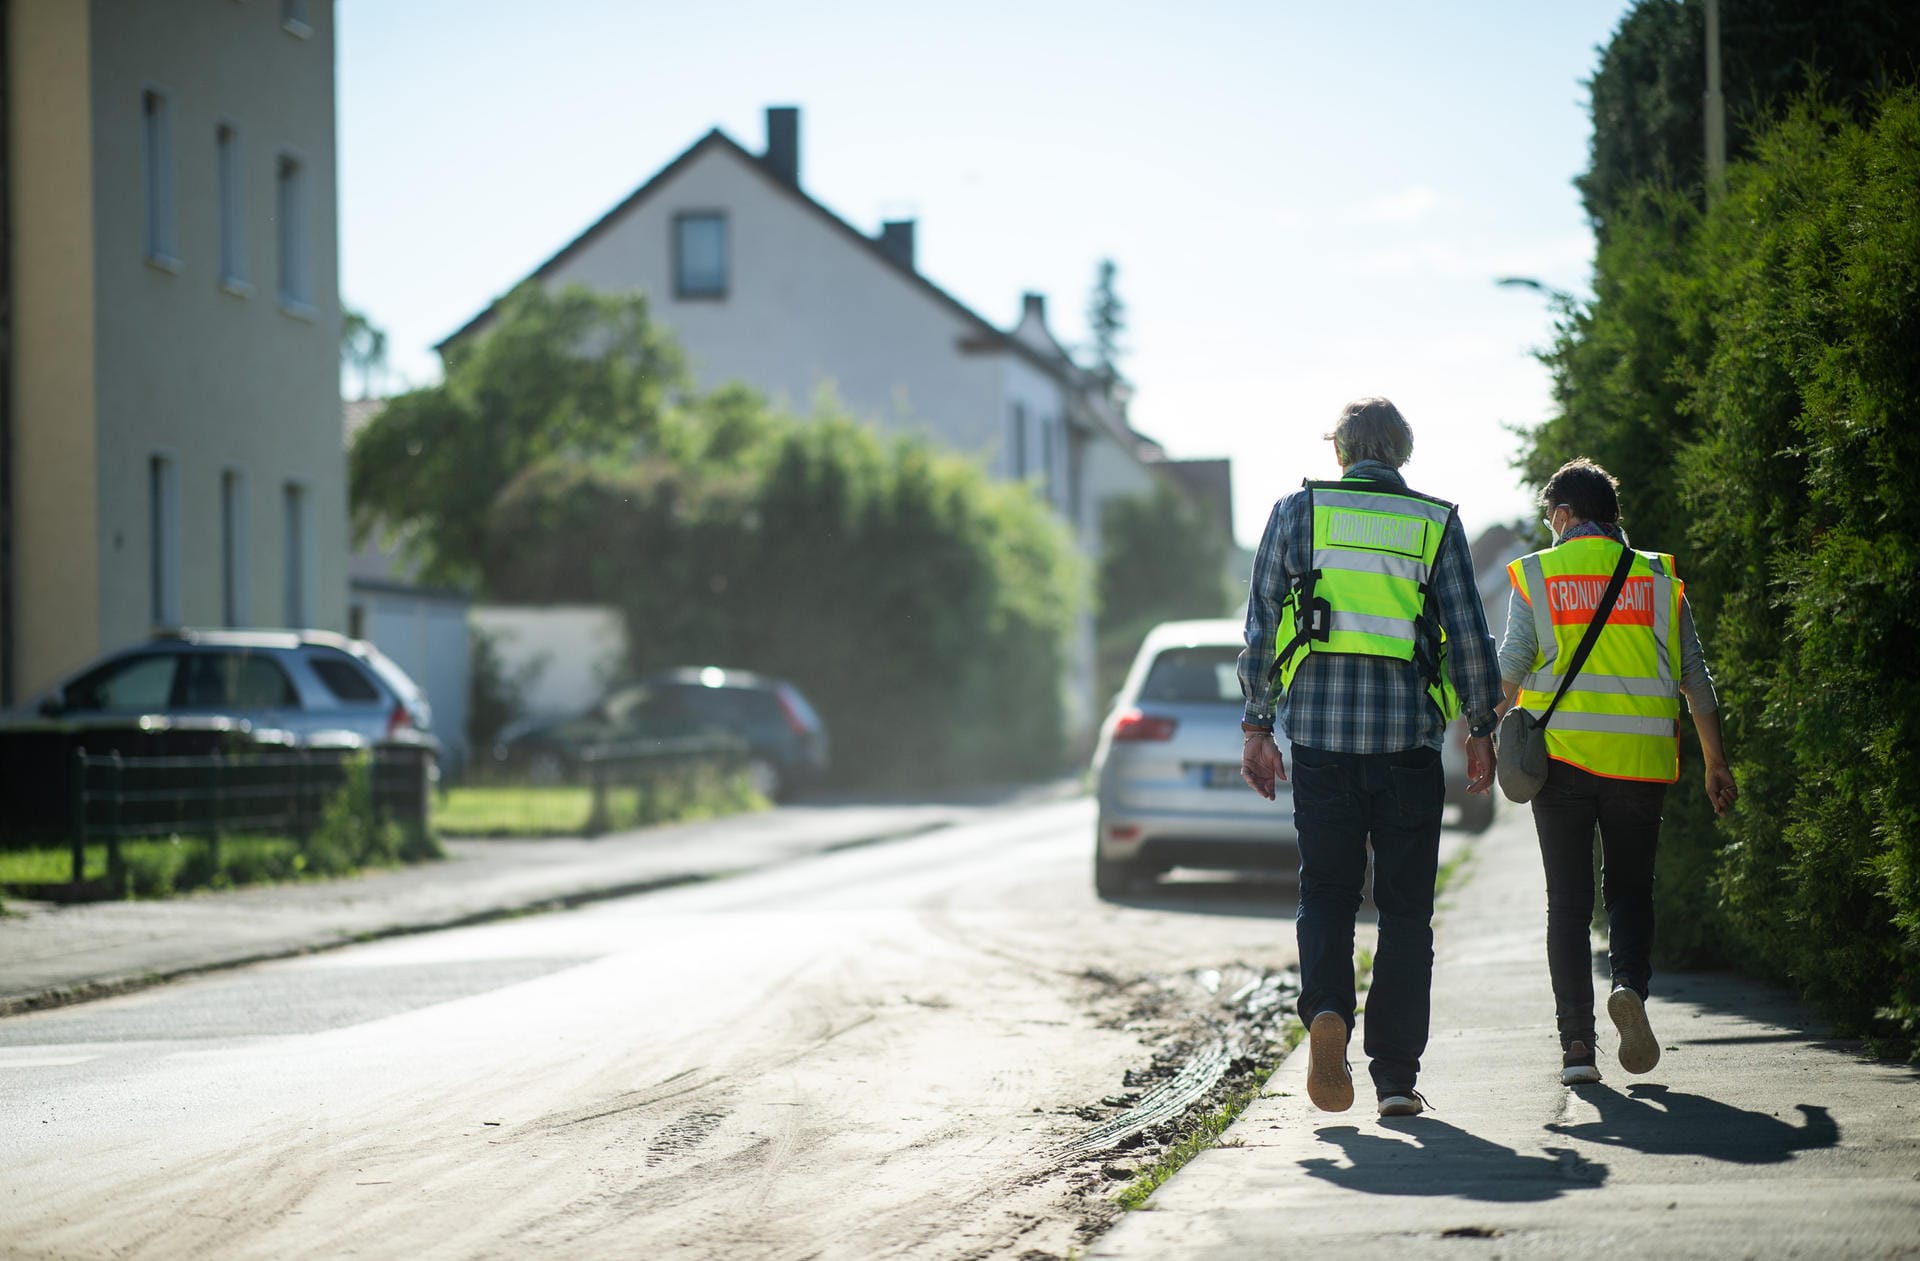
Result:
<point x="1754" y="1137"/>
<point x="51" y="955"/>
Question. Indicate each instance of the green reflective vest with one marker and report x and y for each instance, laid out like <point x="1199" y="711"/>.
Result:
<point x="1620" y="717"/>
<point x="1367" y="592"/>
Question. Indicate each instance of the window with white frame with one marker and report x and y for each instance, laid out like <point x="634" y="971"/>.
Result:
<point x="296" y="245"/>
<point x="163" y="540"/>
<point x="233" y="547"/>
<point x="700" y="254"/>
<point x="1017" y="443"/>
<point x="295" y="566"/>
<point x="233" y="207"/>
<point x="156" y="151"/>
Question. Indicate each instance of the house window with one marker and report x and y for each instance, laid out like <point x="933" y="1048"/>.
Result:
<point x="233" y="547"/>
<point x="296" y="251"/>
<point x="233" y="209"/>
<point x="156" y="116"/>
<point x="1017" y="444"/>
<point x="700" y="255"/>
<point x="295" y="565"/>
<point x="293" y="18"/>
<point x="163" y="534"/>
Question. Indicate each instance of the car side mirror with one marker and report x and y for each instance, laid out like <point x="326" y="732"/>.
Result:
<point x="54" y="705"/>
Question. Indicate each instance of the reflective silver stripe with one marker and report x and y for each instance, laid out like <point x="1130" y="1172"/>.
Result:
<point x="1365" y="501"/>
<point x="1601" y="684"/>
<point x="1543" y="637"/>
<point x="1370" y="624"/>
<point x="1612" y="724"/>
<point x="1662" y="622"/>
<point x="1387" y="564"/>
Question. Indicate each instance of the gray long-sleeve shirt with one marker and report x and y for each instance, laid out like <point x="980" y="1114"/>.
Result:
<point x="1521" y="646"/>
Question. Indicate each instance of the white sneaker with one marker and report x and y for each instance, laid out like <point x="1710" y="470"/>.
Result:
<point x="1577" y="1067"/>
<point x="1329" y="1080"/>
<point x="1639" y="1049"/>
<point x="1403" y="1103"/>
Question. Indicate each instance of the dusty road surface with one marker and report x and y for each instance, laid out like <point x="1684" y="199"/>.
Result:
<point x="881" y="1052"/>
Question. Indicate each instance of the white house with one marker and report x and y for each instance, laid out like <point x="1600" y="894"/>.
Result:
<point x="765" y="285"/>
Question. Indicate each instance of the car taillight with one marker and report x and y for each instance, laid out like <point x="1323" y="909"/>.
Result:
<point x="1134" y="725"/>
<point x="399" y="720"/>
<point x="796" y="723"/>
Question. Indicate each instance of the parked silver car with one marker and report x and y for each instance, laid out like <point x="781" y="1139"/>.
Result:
<point x="314" y="685"/>
<point x="1167" y="767"/>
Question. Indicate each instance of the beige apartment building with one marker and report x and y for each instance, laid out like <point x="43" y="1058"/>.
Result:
<point x="170" y="427"/>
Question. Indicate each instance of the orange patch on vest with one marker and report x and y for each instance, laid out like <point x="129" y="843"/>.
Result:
<point x="1571" y="599"/>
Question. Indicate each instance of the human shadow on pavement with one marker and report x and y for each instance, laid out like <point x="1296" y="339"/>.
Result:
<point x="1660" y="1120"/>
<point x="1446" y="1160"/>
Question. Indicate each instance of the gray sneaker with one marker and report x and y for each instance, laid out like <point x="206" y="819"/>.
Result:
<point x="1329" y="1080"/>
<point x="1639" y="1049"/>
<point x="1577" y="1067"/>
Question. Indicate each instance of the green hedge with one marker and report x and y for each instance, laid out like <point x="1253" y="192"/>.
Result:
<point x="1753" y="374"/>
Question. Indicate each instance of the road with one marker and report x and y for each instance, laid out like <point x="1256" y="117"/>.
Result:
<point x="879" y="1052"/>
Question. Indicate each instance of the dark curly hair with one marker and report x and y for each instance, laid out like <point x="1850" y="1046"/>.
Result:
<point x="1588" y="490"/>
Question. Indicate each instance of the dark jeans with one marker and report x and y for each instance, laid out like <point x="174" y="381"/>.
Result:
<point x="1565" y="813"/>
<point x="1341" y="801"/>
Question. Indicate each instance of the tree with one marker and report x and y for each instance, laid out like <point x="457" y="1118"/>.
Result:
<point x="363" y="349"/>
<point x="1161" y="560"/>
<point x="1649" y="129"/>
<point x="1106" y="321"/>
<point x="573" y="373"/>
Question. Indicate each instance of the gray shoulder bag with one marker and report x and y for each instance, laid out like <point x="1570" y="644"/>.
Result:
<point x="1520" y="744"/>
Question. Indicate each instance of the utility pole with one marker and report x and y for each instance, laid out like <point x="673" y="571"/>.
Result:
<point x="1716" y="111"/>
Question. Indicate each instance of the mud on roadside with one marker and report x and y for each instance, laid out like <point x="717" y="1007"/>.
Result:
<point x="1216" y="1034"/>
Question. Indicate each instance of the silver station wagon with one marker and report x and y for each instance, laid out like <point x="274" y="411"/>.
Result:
<point x="1167" y="767"/>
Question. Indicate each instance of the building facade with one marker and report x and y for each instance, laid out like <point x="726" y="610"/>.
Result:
<point x="170" y="452"/>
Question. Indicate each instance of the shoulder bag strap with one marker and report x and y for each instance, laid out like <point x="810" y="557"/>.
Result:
<point x="1601" y="612"/>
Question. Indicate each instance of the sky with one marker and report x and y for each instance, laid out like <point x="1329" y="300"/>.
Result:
<point x="1306" y="204"/>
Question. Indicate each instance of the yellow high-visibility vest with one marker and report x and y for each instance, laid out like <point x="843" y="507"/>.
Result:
<point x="1621" y="716"/>
<point x="1367" y="592"/>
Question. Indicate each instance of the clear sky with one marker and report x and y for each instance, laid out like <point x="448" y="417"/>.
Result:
<point x="1306" y="203"/>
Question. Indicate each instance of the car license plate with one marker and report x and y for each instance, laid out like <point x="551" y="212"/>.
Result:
<point x="1221" y="775"/>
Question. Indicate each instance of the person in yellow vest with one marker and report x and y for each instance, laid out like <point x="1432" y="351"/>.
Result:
<point x="1614" y="745"/>
<point x="1365" y="638"/>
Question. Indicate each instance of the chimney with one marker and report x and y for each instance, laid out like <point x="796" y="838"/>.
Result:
<point x="896" y="241"/>
<point x="783" y="142"/>
<point x="1033" y="306"/>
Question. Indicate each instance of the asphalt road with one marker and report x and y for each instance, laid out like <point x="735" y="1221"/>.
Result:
<point x="872" y="1053"/>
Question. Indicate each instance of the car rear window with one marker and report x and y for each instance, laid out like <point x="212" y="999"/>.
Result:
<point x="344" y="680"/>
<point x="1194" y="676"/>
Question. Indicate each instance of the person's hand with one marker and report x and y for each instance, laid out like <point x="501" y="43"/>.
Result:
<point x="1721" y="790"/>
<point x="1480" y="763"/>
<point x="1261" y="764"/>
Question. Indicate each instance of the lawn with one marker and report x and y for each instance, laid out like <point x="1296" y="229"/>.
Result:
<point x="565" y="809"/>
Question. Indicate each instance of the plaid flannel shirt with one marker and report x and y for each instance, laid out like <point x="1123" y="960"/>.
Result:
<point x="1347" y="703"/>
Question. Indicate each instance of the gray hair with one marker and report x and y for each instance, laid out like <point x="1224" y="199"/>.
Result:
<point x="1372" y="429"/>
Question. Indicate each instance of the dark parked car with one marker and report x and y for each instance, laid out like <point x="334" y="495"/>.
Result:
<point x="786" y="741"/>
<point x="316" y="686"/>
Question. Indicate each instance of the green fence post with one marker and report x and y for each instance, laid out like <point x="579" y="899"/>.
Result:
<point x="79" y="815"/>
<point x="219" y="811"/>
<point x="597" y="819"/>
<point x="116" y="869"/>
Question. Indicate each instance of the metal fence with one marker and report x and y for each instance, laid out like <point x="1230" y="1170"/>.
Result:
<point x="117" y="797"/>
<point x="641" y="764"/>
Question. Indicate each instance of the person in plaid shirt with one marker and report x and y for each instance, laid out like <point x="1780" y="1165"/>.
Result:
<point x="1365" y="734"/>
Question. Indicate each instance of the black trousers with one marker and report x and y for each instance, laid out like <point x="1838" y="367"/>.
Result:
<point x="1627" y="813"/>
